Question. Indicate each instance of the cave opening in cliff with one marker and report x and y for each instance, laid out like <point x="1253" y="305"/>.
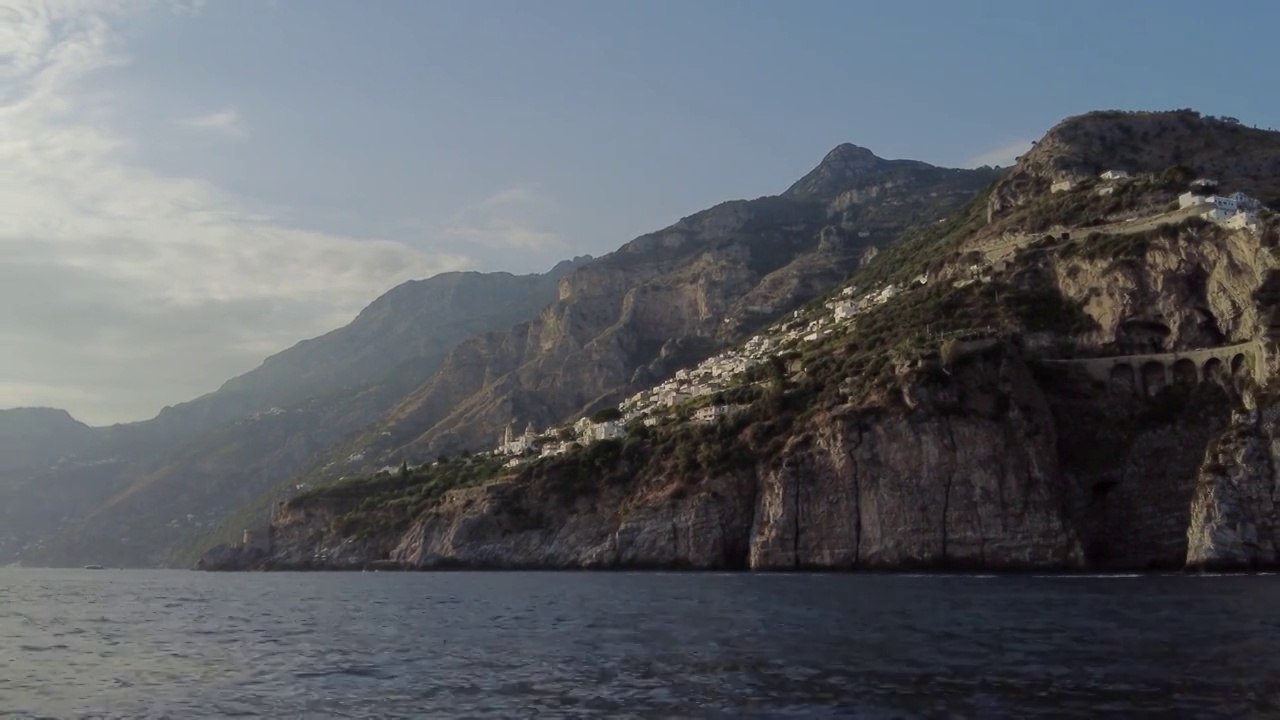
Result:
<point x="1142" y="336"/>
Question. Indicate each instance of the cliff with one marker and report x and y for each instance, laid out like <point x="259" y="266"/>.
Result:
<point x="1042" y="380"/>
<point x="1235" y="520"/>
<point x="975" y="487"/>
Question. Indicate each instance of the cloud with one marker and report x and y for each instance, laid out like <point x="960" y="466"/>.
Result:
<point x="1002" y="156"/>
<point x="516" y="218"/>
<point x="126" y="289"/>
<point x="223" y="122"/>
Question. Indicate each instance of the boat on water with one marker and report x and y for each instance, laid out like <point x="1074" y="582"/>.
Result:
<point x="93" y="567"/>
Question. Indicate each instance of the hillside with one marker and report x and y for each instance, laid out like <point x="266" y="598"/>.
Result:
<point x="664" y="301"/>
<point x="173" y="477"/>
<point x="34" y="438"/>
<point x="1057" y="376"/>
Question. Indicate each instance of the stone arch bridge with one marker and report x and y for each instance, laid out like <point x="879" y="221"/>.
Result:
<point x="1147" y="374"/>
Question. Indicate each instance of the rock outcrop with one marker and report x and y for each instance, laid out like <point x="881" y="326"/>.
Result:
<point x="968" y="480"/>
<point x="1235" y="515"/>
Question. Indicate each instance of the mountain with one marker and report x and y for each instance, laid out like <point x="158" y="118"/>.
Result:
<point x="1076" y="369"/>
<point x="661" y="302"/>
<point x="418" y="320"/>
<point x="167" y="479"/>
<point x="32" y="438"/>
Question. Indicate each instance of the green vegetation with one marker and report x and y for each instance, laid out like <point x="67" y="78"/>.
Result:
<point x="1129" y="246"/>
<point x="609" y="414"/>
<point x="390" y="502"/>
<point x="685" y="450"/>
<point x="926" y="248"/>
<point x="1083" y="207"/>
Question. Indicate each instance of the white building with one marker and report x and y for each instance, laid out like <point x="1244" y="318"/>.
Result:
<point x="1216" y="214"/>
<point x="845" y="309"/>
<point x="711" y="413"/>
<point x="603" y="431"/>
<point x="1244" y="201"/>
<point x="556" y="448"/>
<point x="1190" y="199"/>
<point x="1225" y="204"/>
<point x="1243" y="220"/>
<point x="1062" y="186"/>
<point x="513" y="444"/>
<point x="1115" y="175"/>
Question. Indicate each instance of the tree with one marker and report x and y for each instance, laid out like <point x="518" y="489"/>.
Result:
<point x="609" y="414"/>
<point x="404" y="470"/>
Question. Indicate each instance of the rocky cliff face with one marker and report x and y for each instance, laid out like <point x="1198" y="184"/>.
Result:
<point x="976" y="486"/>
<point x="1235" y="513"/>
<point x="1101" y="431"/>
<point x="666" y="300"/>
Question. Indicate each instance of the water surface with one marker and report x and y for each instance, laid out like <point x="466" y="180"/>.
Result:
<point x="136" y="644"/>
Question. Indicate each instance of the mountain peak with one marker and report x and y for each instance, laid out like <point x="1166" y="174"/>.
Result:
<point x="844" y="163"/>
<point x="846" y="153"/>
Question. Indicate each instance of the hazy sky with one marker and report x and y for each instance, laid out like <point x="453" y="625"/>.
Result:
<point x="187" y="187"/>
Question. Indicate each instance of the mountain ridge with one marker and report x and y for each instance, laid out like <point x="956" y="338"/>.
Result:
<point x="707" y="278"/>
<point x="200" y="456"/>
<point x="1050" y="378"/>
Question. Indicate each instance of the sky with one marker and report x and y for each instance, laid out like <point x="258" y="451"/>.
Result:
<point x="189" y="186"/>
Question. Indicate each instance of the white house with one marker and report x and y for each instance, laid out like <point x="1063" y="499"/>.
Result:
<point x="845" y="309"/>
<point x="711" y="413"/>
<point x="1216" y="214"/>
<point x="1244" y="201"/>
<point x="1062" y="186"/>
<point x="1243" y="220"/>
<point x="1115" y="175"/>
<point x="1225" y="204"/>
<point x="1190" y="199"/>
<point x="554" y="449"/>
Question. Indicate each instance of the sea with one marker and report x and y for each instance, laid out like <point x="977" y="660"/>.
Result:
<point x="179" y="644"/>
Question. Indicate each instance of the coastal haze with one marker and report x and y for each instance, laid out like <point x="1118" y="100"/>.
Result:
<point x="188" y="223"/>
<point x="943" y="340"/>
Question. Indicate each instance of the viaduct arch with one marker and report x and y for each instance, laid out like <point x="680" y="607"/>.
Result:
<point x="1147" y="374"/>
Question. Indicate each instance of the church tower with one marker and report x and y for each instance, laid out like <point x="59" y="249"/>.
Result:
<point x="510" y="435"/>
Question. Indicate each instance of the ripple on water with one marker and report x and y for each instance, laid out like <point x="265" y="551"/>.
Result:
<point x="636" y="645"/>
